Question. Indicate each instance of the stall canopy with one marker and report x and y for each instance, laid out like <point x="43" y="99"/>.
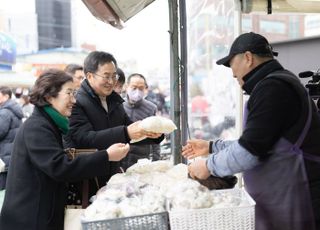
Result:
<point x="115" y="12"/>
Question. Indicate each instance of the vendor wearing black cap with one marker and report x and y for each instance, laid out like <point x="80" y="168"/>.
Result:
<point x="279" y="149"/>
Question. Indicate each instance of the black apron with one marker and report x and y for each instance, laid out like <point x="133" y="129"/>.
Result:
<point x="280" y="186"/>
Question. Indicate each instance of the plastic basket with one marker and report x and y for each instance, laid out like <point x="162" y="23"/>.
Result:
<point x="156" y="221"/>
<point x="226" y="218"/>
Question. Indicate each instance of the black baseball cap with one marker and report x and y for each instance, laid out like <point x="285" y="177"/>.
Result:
<point x="255" y="43"/>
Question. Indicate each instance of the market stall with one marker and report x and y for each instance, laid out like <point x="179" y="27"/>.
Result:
<point x="158" y="195"/>
<point x="224" y="209"/>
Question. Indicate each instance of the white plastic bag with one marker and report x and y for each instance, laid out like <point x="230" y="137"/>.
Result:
<point x="2" y="166"/>
<point x="156" y="124"/>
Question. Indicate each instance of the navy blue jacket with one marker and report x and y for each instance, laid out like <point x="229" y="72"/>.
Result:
<point x="10" y="120"/>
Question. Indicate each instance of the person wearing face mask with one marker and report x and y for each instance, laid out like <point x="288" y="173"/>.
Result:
<point x="137" y="109"/>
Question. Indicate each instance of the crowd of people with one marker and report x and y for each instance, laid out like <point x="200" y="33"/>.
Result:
<point x="66" y="114"/>
<point x="96" y="107"/>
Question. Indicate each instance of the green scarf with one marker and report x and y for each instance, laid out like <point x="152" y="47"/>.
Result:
<point x="61" y="121"/>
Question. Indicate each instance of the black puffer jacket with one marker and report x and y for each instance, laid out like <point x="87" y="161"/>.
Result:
<point x="92" y="127"/>
<point x="10" y="120"/>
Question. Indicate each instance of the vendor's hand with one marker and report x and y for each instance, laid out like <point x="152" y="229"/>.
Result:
<point x="195" y="148"/>
<point x="198" y="169"/>
<point x="118" y="151"/>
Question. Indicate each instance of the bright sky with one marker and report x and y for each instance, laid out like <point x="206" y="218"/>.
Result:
<point x="10" y="6"/>
<point x="144" y="39"/>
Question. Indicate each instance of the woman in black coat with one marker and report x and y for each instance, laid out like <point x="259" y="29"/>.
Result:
<point x="36" y="185"/>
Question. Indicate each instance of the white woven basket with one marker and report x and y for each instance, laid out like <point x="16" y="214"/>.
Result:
<point x="226" y="218"/>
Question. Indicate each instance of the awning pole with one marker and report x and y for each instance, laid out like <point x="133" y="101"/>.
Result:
<point x="175" y="108"/>
<point x="239" y="104"/>
<point x="184" y="71"/>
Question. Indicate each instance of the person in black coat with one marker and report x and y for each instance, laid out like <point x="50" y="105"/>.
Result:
<point x="36" y="190"/>
<point x="98" y="118"/>
<point x="279" y="149"/>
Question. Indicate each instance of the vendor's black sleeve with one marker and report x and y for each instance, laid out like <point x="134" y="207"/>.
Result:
<point x="273" y="108"/>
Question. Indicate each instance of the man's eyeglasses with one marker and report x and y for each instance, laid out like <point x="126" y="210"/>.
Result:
<point x="110" y="77"/>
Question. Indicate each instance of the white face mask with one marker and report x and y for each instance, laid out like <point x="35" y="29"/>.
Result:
<point x="135" y="95"/>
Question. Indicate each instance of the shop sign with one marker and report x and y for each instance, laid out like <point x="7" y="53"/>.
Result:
<point x="7" y="50"/>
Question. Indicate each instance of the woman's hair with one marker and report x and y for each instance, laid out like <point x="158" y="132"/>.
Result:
<point x="48" y="85"/>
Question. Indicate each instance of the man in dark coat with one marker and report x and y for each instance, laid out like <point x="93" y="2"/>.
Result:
<point x="98" y="118"/>
<point x="10" y="120"/>
<point x="279" y="149"/>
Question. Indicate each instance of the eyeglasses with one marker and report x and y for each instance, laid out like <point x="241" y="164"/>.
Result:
<point x="72" y="93"/>
<point x="110" y="77"/>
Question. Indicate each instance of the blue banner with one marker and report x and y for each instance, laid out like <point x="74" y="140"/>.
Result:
<point x="7" y="50"/>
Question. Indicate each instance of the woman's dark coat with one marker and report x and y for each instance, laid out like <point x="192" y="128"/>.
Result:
<point x="36" y="186"/>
